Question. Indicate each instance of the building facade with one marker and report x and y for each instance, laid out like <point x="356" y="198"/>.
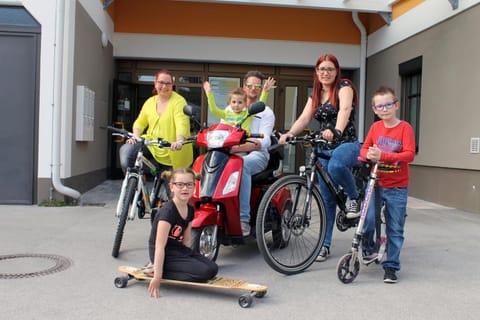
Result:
<point x="89" y="57"/>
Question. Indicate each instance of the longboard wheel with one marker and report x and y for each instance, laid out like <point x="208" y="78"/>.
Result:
<point x="260" y="294"/>
<point x="245" y="301"/>
<point x="121" y="282"/>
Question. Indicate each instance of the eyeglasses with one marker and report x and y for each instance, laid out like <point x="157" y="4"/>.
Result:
<point x="251" y="85"/>
<point x="326" y="69"/>
<point x="387" y="106"/>
<point x="181" y="185"/>
<point x="161" y="83"/>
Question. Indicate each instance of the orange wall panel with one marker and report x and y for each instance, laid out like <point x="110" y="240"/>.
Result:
<point x="403" y="6"/>
<point x="234" y="21"/>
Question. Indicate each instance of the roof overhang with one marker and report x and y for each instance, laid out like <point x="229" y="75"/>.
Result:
<point x="374" y="6"/>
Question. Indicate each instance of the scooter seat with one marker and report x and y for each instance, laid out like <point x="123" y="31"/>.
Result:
<point x="275" y="164"/>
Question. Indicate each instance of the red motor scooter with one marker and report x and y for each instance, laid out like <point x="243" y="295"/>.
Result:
<point x="216" y="195"/>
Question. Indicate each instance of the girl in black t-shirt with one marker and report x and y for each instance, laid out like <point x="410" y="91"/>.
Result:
<point x="169" y="243"/>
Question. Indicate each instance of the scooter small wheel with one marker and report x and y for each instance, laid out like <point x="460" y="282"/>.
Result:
<point x="260" y="294"/>
<point x="343" y="269"/>
<point x="121" y="282"/>
<point x="245" y="301"/>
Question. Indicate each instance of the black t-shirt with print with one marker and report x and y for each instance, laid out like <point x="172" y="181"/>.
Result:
<point x="169" y="212"/>
<point x="326" y="115"/>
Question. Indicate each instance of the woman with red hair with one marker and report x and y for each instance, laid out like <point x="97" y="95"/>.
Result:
<point x="332" y="104"/>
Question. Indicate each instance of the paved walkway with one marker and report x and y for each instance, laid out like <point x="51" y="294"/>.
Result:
<point x="439" y="277"/>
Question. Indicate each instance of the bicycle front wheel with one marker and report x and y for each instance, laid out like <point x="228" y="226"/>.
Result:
<point x="290" y="225"/>
<point x="127" y="201"/>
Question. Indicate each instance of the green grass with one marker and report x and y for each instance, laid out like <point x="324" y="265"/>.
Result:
<point x="58" y="203"/>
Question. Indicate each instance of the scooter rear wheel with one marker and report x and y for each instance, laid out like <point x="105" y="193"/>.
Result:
<point x="290" y="230"/>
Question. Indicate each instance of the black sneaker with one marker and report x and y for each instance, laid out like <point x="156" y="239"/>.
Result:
<point x="390" y="276"/>
<point x="353" y="208"/>
<point x="324" y="253"/>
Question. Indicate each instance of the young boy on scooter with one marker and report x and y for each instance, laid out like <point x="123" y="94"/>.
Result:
<point x="391" y="142"/>
<point x="169" y="243"/>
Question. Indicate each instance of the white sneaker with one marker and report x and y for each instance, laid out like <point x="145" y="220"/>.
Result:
<point x="245" y="228"/>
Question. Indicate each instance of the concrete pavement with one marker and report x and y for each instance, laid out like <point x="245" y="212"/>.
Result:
<point x="439" y="277"/>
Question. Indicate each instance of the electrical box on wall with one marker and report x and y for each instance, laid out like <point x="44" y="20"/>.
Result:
<point x="85" y="114"/>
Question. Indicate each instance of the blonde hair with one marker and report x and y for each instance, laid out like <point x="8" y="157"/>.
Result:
<point x="170" y="175"/>
<point x="238" y="92"/>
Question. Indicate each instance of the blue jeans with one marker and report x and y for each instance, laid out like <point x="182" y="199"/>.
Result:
<point x="128" y="155"/>
<point x="339" y="167"/>
<point x="253" y="163"/>
<point x="395" y="200"/>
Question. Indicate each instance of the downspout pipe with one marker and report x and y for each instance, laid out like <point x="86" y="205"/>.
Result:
<point x="57" y="104"/>
<point x="361" y="89"/>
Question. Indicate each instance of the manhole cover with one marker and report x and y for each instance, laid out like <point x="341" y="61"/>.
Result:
<point x="16" y="266"/>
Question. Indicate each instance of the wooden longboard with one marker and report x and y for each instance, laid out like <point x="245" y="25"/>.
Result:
<point x="225" y="283"/>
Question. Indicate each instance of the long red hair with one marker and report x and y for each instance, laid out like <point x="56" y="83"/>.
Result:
<point x="333" y="94"/>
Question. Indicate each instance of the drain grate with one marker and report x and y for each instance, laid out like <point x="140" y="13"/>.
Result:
<point x="60" y="264"/>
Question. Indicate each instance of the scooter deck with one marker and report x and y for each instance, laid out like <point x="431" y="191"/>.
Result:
<point x="225" y="283"/>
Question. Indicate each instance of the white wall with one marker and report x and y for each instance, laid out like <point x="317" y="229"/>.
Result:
<point x="231" y="50"/>
<point x="422" y="17"/>
<point x="44" y="12"/>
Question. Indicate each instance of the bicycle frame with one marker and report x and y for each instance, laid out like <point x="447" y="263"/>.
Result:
<point x="142" y="188"/>
<point x="135" y="198"/>
<point x="313" y="162"/>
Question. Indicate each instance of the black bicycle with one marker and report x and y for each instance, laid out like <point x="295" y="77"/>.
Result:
<point x="135" y="197"/>
<point x="303" y="222"/>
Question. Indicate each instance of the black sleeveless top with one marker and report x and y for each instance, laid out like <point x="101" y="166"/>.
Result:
<point x="326" y="115"/>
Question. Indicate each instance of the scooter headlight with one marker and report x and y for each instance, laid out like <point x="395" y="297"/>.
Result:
<point x="216" y="138"/>
<point x="231" y="183"/>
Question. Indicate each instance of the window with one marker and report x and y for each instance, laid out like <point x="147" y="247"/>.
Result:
<point x="411" y="74"/>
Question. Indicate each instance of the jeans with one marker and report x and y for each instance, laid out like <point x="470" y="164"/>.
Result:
<point x="128" y="155"/>
<point x="339" y="167"/>
<point x="395" y="201"/>
<point x="253" y="163"/>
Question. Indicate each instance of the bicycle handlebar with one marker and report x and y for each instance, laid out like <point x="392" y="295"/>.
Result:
<point x="127" y="134"/>
<point x="314" y="138"/>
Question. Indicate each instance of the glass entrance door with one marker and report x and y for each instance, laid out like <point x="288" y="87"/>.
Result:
<point x="293" y="95"/>
<point x="124" y="112"/>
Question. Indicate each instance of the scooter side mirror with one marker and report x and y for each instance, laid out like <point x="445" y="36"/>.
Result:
<point x="193" y="112"/>
<point x="256" y="107"/>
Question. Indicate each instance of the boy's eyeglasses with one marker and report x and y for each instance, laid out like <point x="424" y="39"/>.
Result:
<point x="380" y="107"/>
<point x="181" y="185"/>
<point x="324" y="69"/>
<point x="251" y="85"/>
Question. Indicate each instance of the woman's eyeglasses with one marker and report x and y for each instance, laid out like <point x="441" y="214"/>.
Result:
<point x="326" y="69"/>
<point x="161" y="83"/>
<point x="387" y="106"/>
<point x="181" y="185"/>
